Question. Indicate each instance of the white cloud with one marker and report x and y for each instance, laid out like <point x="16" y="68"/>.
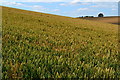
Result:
<point x="37" y="6"/>
<point x="56" y="10"/>
<point x="105" y="5"/>
<point x="85" y="3"/>
<point x="18" y="4"/>
<point x="76" y="1"/>
<point x="73" y="1"/>
<point x="62" y="4"/>
<point x="105" y="0"/>
<point x="82" y="9"/>
<point x="35" y="0"/>
<point x="12" y="3"/>
<point x="114" y="9"/>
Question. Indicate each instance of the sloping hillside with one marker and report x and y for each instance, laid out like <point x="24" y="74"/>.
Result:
<point x="37" y="45"/>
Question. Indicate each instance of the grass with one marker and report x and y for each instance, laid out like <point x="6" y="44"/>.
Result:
<point x="37" y="45"/>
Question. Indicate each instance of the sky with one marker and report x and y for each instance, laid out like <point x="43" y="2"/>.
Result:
<point x="74" y="8"/>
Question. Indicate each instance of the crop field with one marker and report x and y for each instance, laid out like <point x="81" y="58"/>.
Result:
<point x="37" y="45"/>
<point x="112" y="19"/>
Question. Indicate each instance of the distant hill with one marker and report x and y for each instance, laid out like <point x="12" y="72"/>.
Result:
<point x="109" y="19"/>
<point x="37" y="45"/>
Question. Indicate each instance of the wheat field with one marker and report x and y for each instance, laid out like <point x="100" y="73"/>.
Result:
<point x="38" y="45"/>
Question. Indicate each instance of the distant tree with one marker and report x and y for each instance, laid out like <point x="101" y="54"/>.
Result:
<point x="86" y="16"/>
<point x="100" y="15"/>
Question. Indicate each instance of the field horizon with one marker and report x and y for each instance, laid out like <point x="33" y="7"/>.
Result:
<point x="77" y="17"/>
<point x="106" y="19"/>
